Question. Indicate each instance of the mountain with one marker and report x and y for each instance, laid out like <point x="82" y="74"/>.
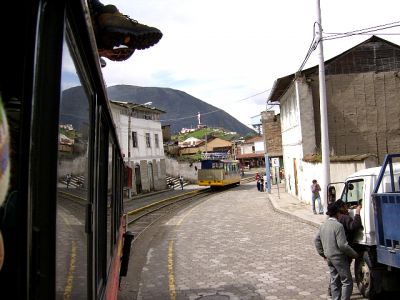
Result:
<point x="181" y="108"/>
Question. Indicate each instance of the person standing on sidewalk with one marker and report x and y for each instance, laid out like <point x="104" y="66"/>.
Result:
<point x="332" y="245"/>
<point x="258" y="181"/>
<point x="315" y="189"/>
<point x="181" y="181"/>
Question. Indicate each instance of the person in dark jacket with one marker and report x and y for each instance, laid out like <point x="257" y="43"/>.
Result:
<point x="351" y="225"/>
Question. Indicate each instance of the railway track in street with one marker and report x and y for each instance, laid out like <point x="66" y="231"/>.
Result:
<point x="140" y="219"/>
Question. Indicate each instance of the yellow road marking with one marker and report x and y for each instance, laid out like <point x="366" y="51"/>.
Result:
<point x="171" y="278"/>
<point x="184" y="216"/>
<point x="70" y="276"/>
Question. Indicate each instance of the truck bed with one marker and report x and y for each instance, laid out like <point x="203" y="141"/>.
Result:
<point x="387" y="222"/>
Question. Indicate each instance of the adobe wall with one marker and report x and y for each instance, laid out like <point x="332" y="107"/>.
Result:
<point x="363" y="113"/>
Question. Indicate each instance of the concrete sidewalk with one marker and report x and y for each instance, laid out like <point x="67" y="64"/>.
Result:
<point x="288" y="204"/>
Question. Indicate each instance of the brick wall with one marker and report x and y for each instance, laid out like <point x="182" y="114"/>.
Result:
<point x="271" y="125"/>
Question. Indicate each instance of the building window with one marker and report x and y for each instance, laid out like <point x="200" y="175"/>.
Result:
<point x="148" y="140"/>
<point x="156" y="140"/>
<point x="134" y="139"/>
<point x="253" y="149"/>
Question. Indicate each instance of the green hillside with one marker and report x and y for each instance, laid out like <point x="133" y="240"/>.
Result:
<point x="202" y="133"/>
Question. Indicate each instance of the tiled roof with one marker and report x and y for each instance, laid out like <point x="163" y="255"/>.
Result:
<point x="250" y="155"/>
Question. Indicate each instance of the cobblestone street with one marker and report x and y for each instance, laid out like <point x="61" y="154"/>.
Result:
<point x="234" y="246"/>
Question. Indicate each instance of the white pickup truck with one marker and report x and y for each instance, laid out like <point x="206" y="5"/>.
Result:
<point x="377" y="268"/>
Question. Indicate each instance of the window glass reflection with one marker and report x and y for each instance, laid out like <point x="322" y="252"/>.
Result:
<point x="71" y="247"/>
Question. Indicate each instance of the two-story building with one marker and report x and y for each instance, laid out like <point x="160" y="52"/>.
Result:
<point x="140" y="136"/>
<point x="363" y="92"/>
<point x="209" y="144"/>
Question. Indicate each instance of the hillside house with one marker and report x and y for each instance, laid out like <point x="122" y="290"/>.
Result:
<point x="190" y="142"/>
<point x="65" y="144"/>
<point x="251" y="152"/>
<point x="363" y="92"/>
<point x="140" y="136"/>
<point x="212" y="144"/>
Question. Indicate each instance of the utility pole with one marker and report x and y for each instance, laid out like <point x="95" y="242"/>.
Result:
<point x="267" y="171"/>
<point x="266" y="156"/>
<point x="326" y="177"/>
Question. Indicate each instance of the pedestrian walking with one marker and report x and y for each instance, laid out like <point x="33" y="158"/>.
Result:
<point x="171" y="185"/>
<point x="181" y="181"/>
<point x="332" y="245"/>
<point x="261" y="184"/>
<point x="258" y="181"/>
<point x="315" y="189"/>
<point x="68" y="179"/>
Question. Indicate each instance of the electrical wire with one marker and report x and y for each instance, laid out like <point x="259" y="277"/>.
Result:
<point x="332" y="36"/>
<point x="368" y="28"/>
<point x="361" y="31"/>
<point x="313" y="46"/>
<point x="214" y="111"/>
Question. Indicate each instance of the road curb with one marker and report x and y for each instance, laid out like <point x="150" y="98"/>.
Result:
<point x="279" y="210"/>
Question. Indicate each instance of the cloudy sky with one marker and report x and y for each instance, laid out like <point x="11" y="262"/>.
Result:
<point x="229" y="53"/>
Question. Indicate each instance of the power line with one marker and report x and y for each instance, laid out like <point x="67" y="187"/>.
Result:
<point x="332" y="36"/>
<point x="254" y="95"/>
<point x="313" y="46"/>
<point x="192" y="116"/>
<point x="369" y="30"/>
<point x="210" y="112"/>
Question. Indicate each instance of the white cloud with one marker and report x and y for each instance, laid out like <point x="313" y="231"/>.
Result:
<point x="221" y="51"/>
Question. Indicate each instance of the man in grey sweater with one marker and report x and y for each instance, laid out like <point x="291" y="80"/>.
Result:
<point x="331" y="244"/>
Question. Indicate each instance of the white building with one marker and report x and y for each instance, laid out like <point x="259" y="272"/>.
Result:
<point x="251" y="153"/>
<point x="190" y="142"/>
<point x="140" y="136"/>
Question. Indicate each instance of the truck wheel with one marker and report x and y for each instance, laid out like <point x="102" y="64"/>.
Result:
<point x="364" y="274"/>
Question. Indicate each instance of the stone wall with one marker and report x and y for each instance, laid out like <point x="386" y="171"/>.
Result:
<point x="175" y="168"/>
